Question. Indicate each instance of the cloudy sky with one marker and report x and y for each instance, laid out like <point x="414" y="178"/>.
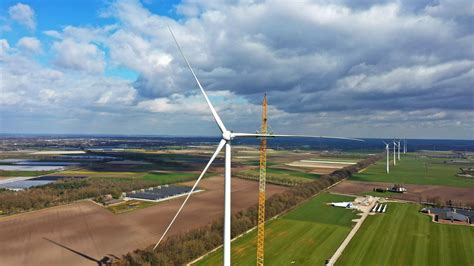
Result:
<point x="345" y="68"/>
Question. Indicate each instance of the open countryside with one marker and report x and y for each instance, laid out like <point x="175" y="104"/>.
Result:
<point x="306" y="235"/>
<point x="236" y="132"/>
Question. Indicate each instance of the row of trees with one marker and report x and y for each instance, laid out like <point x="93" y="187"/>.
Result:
<point x="183" y="248"/>
<point x="283" y="181"/>
<point x="66" y="191"/>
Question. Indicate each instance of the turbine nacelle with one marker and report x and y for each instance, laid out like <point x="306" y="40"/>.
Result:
<point x="227" y="135"/>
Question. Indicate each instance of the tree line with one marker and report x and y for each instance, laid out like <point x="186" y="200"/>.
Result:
<point x="66" y="191"/>
<point x="183" y="248"/>
<point x="282" y="181"/>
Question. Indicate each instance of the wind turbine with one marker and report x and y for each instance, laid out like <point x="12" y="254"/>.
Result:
<point x="399" y="150"/>
<point x="227" y="137"/>
<point x="394" y="153"/>
<point x="404" y="146"/>
<point x="387" y="148"/>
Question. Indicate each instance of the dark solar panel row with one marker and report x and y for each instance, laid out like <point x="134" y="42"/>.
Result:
<point x="159" y="193"/>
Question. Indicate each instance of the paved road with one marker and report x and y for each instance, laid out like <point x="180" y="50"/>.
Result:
<point x="365" y="212"/>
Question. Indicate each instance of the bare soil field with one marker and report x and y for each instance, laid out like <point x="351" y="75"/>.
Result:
<point x="83" y="233"/>
<point x="456" y="194"/>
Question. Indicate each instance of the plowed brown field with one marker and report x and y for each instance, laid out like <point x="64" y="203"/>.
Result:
<point x="83" y="233"/>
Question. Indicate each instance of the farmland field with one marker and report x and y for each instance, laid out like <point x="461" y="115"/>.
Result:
<point x="171" y="177"/>
<point x="23" y="173"/>
<point x="279" y="175"/>
<point x="307" y="235"/>
<point x="403" y="236"/>
<point x="414" y="169"/>
<point x="94" y="231"/>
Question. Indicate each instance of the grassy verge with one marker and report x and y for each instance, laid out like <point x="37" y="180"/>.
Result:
<point x="403" y="236"/>
<point x="130" y="205"/>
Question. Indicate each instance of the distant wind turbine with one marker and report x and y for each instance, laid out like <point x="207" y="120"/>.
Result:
<point x="394" y="153"/>
<point x="387" y="149"/>
<point x="227" y="137"/>
<point x="398" y="149"/>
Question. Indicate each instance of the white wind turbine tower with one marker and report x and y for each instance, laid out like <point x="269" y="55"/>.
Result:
<point x="404" y="146"/>
<point x="227" y="137"/>
<point x="398" y="149"/>
<point x="394" y="153"/>
<point x="387" y="149"/>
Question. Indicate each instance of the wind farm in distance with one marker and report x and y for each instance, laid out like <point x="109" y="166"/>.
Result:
<point x="138" y="132"/>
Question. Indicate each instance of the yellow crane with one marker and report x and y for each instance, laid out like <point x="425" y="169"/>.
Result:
<point x="261" y="186"/>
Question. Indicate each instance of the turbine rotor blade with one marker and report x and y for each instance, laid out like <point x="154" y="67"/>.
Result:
<point x="257" y="135"/>
<point x="219" y="148"/>
<point x="213" y="111"/>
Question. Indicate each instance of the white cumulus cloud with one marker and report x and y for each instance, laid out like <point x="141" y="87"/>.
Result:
<point x="29" y="44"/>
<point x="79" y="56"/>
<point x="23" y="14"/>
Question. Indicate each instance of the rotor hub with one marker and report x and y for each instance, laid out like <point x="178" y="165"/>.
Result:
<point x="227" y="135"/>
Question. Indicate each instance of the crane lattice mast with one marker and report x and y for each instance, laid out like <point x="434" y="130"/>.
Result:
<point x="261" y="186"/>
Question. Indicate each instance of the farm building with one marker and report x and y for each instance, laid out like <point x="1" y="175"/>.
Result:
<point x="450" y="214"/>
<point x="397" y="189"/>
<point x="347" y="205"/>
<point x="158" y="193"/>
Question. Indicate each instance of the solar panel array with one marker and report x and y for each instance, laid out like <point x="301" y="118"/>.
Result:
<point x="158" y="193"/>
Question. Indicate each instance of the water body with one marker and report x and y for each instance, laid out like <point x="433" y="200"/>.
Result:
<point x="25" y="184"/>
<point x="47" y="163"/>
<point x="31" y="167"/>
<point x="13" y="160"/>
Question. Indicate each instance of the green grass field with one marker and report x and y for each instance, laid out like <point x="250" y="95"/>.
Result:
<point x="403" y="236"/>
<point x="168" y="178"/>
<point x="280" y="174"/>
<point x="415" y="170"/>
<point x="307" y="235"/>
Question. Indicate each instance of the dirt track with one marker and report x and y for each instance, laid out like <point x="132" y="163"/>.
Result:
<point x="456" y="194"/>
<point x="83" y="232"/>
